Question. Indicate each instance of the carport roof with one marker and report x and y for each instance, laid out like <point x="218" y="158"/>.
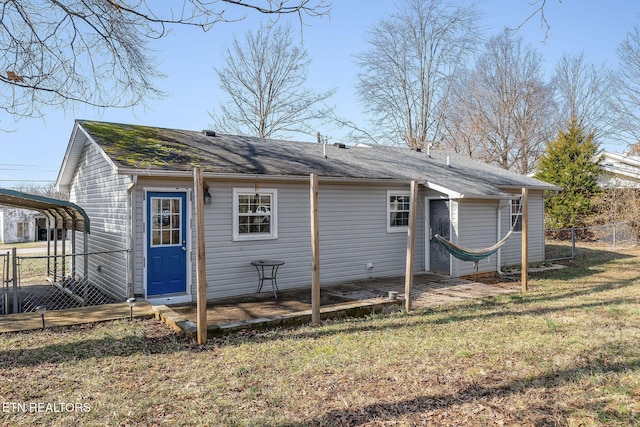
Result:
<point x="72" y="215"/>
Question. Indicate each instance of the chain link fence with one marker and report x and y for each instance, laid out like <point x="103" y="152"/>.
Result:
<point x="56" y="282"/>
<point x="566" y="243"/>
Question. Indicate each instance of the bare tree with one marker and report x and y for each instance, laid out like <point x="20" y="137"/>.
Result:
<point x="407" y="72"/>
<point x="540" y="12"/>
<point x="264" y="77"/>
<point x="585" y="93"/>
<point x="628" y="95"/>
<point x="47" y="190"/>
<point x="57" y="52"/>
<point x="503" y="109"/>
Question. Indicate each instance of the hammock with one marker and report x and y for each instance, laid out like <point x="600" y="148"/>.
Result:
<point x="468" y="254"/>
<point x="475" y="255"/>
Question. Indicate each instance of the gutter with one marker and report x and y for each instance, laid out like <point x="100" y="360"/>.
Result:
<point x="499" y="233"/>
<point x="256" y="177"/>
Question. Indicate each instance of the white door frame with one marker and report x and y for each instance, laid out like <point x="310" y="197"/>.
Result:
<point x="427" y="231"/>
<point x="170" y="299"/>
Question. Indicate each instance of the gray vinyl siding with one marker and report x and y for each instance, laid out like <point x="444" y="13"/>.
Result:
<point x="476" y="228"/>
<point x="139" y="223"/>
<point x="103" y="195"/>
<point x="474" y="225"/>
<point x="353" y="232"/>
<point x="510" y="253"/>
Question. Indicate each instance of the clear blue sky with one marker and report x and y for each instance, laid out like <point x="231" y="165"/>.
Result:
<point x="35" y="147"/>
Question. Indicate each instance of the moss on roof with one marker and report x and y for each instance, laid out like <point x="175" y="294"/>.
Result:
<point x="142" y="146"/>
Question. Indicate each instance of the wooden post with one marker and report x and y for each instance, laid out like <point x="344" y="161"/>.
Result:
<point x="315" y="250"/>
<point x="201" y="274"/>
<point x="411" y="239"/>
<point x="525" y="238"/>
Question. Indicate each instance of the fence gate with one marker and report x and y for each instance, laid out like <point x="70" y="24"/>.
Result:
<point x="6" y="282"/>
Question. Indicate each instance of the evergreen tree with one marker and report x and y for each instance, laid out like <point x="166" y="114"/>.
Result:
<point x="571" y="161"/>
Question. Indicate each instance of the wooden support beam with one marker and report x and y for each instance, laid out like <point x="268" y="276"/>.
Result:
<point x="315" y="249"/>
<point x="525" y="238"/>
<point x="201" y="273"/>
<point x="411" y="239"/>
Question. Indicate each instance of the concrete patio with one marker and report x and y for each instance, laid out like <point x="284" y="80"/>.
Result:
<point x="293" y="307"/>
<point x="355" y="298"/>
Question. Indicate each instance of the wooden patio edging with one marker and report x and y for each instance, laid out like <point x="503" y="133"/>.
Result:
<point x="353" y="309"/>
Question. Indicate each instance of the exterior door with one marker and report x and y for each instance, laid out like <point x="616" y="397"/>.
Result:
<point x="166" y="243"/>
<point x="439" y="223"/>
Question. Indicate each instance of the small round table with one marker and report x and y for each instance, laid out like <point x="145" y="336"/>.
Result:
<point x="262" y="275"/>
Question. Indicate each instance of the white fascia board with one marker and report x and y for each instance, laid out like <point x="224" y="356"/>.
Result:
<point x="63" y="184"/>
<point x="452" y="194"/>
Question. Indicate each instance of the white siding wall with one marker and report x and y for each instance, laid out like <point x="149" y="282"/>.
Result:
<point x="9" y="219"/>
<point x="103" y="195"/>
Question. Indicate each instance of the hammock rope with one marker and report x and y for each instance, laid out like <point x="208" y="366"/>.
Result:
<point x="475" y="255"/>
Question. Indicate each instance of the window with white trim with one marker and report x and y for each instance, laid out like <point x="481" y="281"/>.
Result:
<point x="166" y="220"/>
<point x="255" y="214"/>
<point x="398" y="203"/>
<point x="516" y="215"/>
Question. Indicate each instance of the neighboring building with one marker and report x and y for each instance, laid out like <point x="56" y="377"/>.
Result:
<point x="18" y="225"/>
<point x="24" y="225"/>
<point x="619" y="171"/>
<point x="136" y="185"/>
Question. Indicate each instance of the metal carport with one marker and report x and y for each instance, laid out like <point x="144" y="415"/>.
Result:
<point x="59" y="213"/>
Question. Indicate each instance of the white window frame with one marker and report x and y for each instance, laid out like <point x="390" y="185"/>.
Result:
<point x="395" y="228"/>
<point x="517" y="214"/>
<point x="22" y="230"/>
<point x="273" y="234"/>
<point x="170" y="228"/>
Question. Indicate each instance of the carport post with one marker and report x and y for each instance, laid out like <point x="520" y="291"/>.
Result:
<point x="14" y="267"/>
<point x="49" y="244"/>
<point x="85" y="260"/>
<point x="64" y="249"/>
<point x="73" y="248"/>
<point x="55" y="248"/>
<point x="411" y="239"/>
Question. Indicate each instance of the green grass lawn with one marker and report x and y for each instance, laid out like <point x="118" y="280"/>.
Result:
<point x="566" y="353"/>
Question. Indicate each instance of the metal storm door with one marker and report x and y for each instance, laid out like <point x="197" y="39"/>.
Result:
<point x="439" y="224"/>
<point x="166" y="243"/>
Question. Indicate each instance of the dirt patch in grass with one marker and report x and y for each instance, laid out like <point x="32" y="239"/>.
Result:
<point x="565" y="353"/>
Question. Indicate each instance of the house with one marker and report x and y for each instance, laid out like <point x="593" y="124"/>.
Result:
<point x="619" y="171"/>
<point x="136" y="185"/>
<point x="18" y="225"/>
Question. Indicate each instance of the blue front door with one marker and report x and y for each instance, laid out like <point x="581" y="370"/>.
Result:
<point x="166" y="243"/>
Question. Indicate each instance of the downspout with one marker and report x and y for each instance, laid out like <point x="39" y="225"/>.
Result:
<point x="130" y="233"/>
<point x="499" y="253"/>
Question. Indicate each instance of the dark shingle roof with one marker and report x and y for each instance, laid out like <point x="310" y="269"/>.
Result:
<point x="158" y="149"/>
